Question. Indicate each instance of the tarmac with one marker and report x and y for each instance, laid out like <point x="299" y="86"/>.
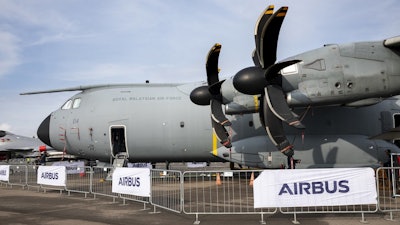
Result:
<point x="21" y="206"/>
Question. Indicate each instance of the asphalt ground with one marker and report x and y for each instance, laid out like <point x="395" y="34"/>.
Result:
<point x="21" y="206"/>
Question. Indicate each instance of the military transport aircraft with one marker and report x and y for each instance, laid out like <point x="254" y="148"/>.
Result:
<point x="319" y="107"/>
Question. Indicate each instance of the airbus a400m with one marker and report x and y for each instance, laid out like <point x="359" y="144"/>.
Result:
<point x="319" y="107"/>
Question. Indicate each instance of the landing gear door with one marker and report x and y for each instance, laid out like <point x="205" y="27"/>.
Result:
<point x="118" y="142"/>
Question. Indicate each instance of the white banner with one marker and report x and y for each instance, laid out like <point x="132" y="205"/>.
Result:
<point x="132" y="181"/>
<point x="140" y="165"/>
<point x="4" y="172"/>
<point x="74" y="167"/>
<point x="51" y="175"/>
<point x="315" y="187"/>
<point x="196" y="164"/>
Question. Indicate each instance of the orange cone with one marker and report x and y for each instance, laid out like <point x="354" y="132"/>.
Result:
<point x="82" y="172"/>
<point x="251" y="179"/>
<point x="218" y="181"/>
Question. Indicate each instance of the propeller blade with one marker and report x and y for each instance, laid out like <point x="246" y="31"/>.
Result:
<point x="261" y="111"/>
<point x="217" y="114"/>
<point x="269" y="38"/>
<point x="222" y="134"/>
<point x="255" y="58"/>
<point x="278" y="106"/>
<point x="275" y="130"/>
<point x="214" y="87"/>
<point x="265" y="15"/>
<point x="212" y="64"/>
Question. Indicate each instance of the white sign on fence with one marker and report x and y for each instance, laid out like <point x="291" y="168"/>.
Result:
<point x="51" y="175"/>
<point x="315" y="187"/>
<point x="140" y="165"/>
<point x="74" y="167"/>
<point x="132" y="181"/>
<point x="4" y="172"/>
<point x="196" y="164"/>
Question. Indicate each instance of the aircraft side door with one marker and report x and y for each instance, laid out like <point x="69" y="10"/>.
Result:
<point x="118" y="140"/>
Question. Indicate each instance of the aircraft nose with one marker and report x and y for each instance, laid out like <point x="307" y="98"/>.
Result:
<point x="43" y="131"/>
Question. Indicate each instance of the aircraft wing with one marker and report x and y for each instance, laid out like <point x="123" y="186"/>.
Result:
<point x="392" y="134"/>
<point x="87" y="87"/>
<point x="16" y="149"/>
<point x="78" y="88"/>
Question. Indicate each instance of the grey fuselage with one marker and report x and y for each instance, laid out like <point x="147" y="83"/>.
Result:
<point x="160" y="124"/>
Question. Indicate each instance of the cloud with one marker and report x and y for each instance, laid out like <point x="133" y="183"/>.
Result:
<point x="9" y="53"/>
<point x="59" y="37"/>
<point x="5" y="126"/>
<point x="38" y="15"/>
<point x="130" y="73"/>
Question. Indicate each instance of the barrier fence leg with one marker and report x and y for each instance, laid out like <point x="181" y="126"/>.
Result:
<point x="295" y="221"/>
<point x="197" y="219"/>
<point x="154" y="209"/>
<point x="262" y="221"/>
<point x="391" y="216"/>
<point x="144" y="206"/>
<point x="363" y="218"/>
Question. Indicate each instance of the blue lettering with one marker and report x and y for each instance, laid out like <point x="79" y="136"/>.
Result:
<point x="304" y="187"/>
<point x="3" y="172"/>
<point x="50" y="176"/>
<point x="285" y="189"/>
<point x="129" y="181"/>
<point x="344" y="187"/>
<point x="329" y="190"/>
<point x="316" y="187"/>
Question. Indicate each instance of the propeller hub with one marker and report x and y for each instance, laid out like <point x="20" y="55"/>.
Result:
<point x="201" y="96"/>
<point x="250" y="80"/>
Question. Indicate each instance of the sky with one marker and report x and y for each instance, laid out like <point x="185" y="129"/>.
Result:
<point x="47" y="44"/>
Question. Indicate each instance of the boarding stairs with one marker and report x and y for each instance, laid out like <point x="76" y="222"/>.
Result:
<point x="120" y="160"/>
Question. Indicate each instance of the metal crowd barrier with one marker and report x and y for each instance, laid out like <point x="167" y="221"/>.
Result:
<point x="31" y="177"/>
<point x="388" y="188"/>
<point x="166" y="189"/>
<point x="79" y="180"/>
<point x="102" y="182"/>
<point x="350" y="209"/>
<point x="206" y="192"/>
<point x="18" y="175"/>
<point x="216" y="192"/>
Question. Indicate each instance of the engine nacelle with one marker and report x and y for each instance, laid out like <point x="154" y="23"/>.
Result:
<point x="243" y="104"/>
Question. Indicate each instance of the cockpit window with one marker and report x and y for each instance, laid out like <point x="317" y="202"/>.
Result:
<point x="2" y="133"/>
<point x="67" y="105"/>
<point x="77" y="103"/>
